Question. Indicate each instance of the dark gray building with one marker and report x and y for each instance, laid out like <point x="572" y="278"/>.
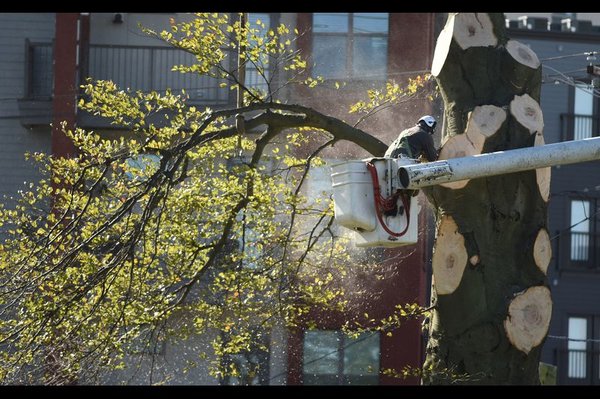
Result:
<point x="569" y="101"/>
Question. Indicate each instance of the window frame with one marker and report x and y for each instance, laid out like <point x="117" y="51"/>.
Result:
<point x="343" y="378"/>
<point x="592" y="350"/>
<point x="574" y="224"/>
<point x="575" y="118"/>
<point x="349" y="39"/>
<point x="588" y="331"/>
<point x="260" y="82"/>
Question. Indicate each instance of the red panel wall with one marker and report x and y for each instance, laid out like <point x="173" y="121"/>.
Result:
<point x="410" y="50"/>
<point x="65" y="81"/>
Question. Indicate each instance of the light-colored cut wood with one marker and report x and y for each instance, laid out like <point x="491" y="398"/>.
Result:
<point x="528" y="318"/>
<point x="474" y="30"/>
<point x="522" y="54"/>
<point x="449" y="257"/>
<point x="474" y="260"/>
<point x="528" y="113"/>
<point x="483" y="122"/>
<point x="456" y="147"/>
<point x="442" y="46"/>
<point x="542" y="250"/>
<point x="543" y="175"/>
<point x="468" y="30"/>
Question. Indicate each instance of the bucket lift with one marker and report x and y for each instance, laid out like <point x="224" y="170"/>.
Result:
<point x="374" y="196"/>
<point x="369" y="200"/>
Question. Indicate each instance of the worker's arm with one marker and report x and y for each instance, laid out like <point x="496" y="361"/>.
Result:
<point x="430" y="151"/>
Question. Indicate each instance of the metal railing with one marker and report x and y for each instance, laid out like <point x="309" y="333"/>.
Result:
<point x="577" y="127"/>
<point x="578" y="367"/>
<point x="578" y="251"/>
<point x="150" y="68"/>
<point x="143" y="68"/>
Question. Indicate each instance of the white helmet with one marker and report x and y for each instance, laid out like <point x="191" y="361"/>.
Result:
<point x="429" y="121"/>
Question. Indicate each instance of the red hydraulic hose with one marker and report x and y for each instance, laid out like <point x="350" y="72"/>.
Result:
<point x="384" y="204"/>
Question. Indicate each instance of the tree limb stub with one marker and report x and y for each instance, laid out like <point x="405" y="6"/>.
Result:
<point x="543" y="175"/>
<point x="542" y="250"/>
<point x="483" y="122"/>
<point x="449" y="257"/>
<point x="474" y="30"/>
<point x="467" y="30"/>
<point x="442" y="46"/>
<point x="522" y="54"/>
<point x="456" y="147"/>
<point x="528" y="113"/>
<point x="528" y="318"/>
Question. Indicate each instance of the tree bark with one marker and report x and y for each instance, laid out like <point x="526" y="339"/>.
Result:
<point x="491" y="321"/>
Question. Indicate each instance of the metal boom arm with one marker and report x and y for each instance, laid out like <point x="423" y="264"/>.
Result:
<point x="496" y="163"/>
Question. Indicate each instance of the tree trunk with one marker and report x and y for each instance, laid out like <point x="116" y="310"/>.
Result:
<point x="490" y="290"/>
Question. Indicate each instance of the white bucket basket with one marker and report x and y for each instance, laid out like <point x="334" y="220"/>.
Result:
<point x="355" y="208"/>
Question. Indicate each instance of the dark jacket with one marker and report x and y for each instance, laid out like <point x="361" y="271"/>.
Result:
<point x="413" y="142"/>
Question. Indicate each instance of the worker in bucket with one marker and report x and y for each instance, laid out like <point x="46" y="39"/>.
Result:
<point x="415" y="141"/>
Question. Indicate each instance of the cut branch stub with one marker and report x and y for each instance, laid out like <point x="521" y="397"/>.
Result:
<point x="528" y="318"/>
<point x="449" y="257"/>
<point x="474" y="30"/>
<point x="543" y="175"/>
<point x="468" y="30"/>
<point x="456" y="147"/>
<point x="522" y="54"/>
<point x="442" y="46"/>
<point x="528" y="113"/>
<point x="483" y="122"/>
<point x="542" y="250"/>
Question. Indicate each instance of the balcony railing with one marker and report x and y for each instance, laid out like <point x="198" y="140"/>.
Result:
<point x="578" y="367"/>
<point x="149" y="68"/>
<point x="142" y="68"/>
<point x="577" y="127"/>
<point x="578" y="251"/>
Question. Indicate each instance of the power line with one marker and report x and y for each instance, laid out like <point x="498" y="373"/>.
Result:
<point x="563" y="231"/>
<point x="560" y="57"/>
<point x="565" y="338"/>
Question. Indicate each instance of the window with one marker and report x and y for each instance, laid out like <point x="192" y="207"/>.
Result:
<point x="252" y="365"/>
<point x="250" y="243"/>
<point x="249" y="240"/>
<point x="577" y="347"/>
<point x="334" y="358"/>
<point x="40" y="73"/>
<point x="350" y="45"/>
<point x="584" y="110"/>
<point x="581" y="365"/>
<point x="580" y="230"/>
<point x="253" y="78"/>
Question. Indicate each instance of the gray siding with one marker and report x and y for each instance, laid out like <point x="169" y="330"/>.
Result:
<point x="15" y="139"/>
<point x="104" y="31"/>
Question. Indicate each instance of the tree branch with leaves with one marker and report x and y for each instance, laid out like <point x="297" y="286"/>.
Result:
<point x="179" y="226"/>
